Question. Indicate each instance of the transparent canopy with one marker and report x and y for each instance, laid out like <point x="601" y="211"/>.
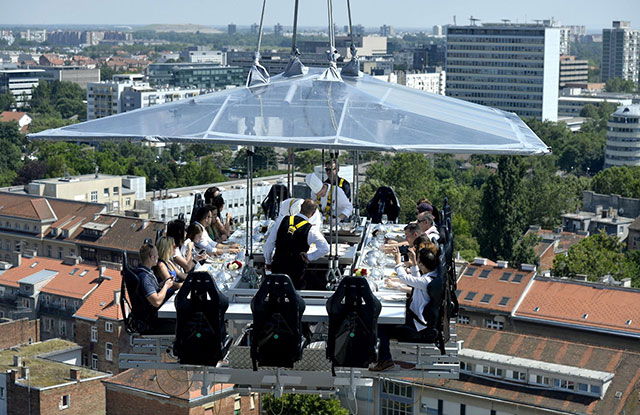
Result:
<point x="319" y="111"/>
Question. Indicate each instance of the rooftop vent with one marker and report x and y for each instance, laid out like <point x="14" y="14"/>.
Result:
<point x="584" y="316"/>
<point x="35" y="264"/>
<point x="535" y="310"/>
<point x="83" y="273"/>
<point x="528" y="267"/>
<point x="628" y="323"/>
<point x="503" y="264"/>
<point x="480" y="261"/>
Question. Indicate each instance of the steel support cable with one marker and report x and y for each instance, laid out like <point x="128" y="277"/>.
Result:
<point x="294" y="46"/>
<point x="256" y="57"/>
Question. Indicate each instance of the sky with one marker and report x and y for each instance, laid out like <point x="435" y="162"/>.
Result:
<point x="370" y="13"/>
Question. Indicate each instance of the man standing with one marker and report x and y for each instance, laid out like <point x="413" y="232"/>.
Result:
<point x="339" y="181"/>
<point x="330" y="199"/>
<point x="291" y="236"/>
<point x="291" y="206"/>
<point x="425" y="222"/>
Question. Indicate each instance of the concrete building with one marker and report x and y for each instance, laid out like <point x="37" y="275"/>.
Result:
<point x="623" y="137"/>
<point x="20" y="83"/>
<point x="231" y="29"/>
<point x="387" y="31"/>
<point x="434" y="82"/>
<point x="204" y="76"/>
<point x="143" y="96"/>
<point x="572" y="105"/>
<point x="278" y="30"/>
<point x="103" y="98"/>
<point x="118" y="193"/>
<point x="513" y="67"/>
<point x="202" y="54"/>
<point x="573" y="70"/>
<point x="77" y="74"/>
<point x="437" y="30"/>
<point x="46" y="378"/>
<point x="34" y="35"/>
<point x="620" y="52"/>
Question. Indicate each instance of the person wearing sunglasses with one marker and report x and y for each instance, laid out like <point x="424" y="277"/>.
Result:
<point x="332" y="171"/>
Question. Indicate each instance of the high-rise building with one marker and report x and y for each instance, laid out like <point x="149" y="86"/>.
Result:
<point x="195" y="75"/>
<point x="620" y="52"/>
<point x="103" y="98"/>
<point x="231" y="29"/>
<point x="437" y="30"/>
<point x="278" y="29"/>
<point x="623" y="137"/>
<point x="513" y="67"/>
<point x="387" y="31"/>
<point x="573" y="70"/>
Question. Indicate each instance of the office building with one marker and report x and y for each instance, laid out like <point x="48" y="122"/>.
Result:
<point x="231" y="29"/>
<point x="103" y="98"/>
<point x="20" y="83"/>
<point x="620" y="52"/>
<point x="513" y="67"/>
<point x="623" y="137"/>
<point x="437" y="30"/>
<point x="278" y="30"/>
<point x="572" y="105"/>
<point x="80" y="75"/>
<point x="573" y="70"/>
<point x="434" y="82"/>
<point x="195" y="75"/>
<point x="387" y="31"/>
<point x="142" y="96"/>
<point x="202" y="54"/>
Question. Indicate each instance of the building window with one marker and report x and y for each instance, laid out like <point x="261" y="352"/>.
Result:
<point x="63" y="329"/>
<point x="520" y="376"/>
<point x="127" y="202"/>
<point x="1" y="392"/>
<point x="396" y="398"/>
<point x="116" y="191"/>
<point x="94" y="196"/>
<point x="94" y="334"/>
<point x="25" y="303"/>
<point x="94" y="361"/>
<point x="64" y="402"/>
<point x="108" y="327"/>
<point x="463" y="319"/>
<point x="85" y="360"/>
<point x="492" y="371"/>
<point x="105" y="192"/>
<point x="60" y="252"/>
<point x="108" y="352"/>
<point x="496" y="325"/>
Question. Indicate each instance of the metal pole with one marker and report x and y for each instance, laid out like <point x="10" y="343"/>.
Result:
<point x="294" y="48"/>
<point x="356" y="194"/>
<point x="257" y="55"/>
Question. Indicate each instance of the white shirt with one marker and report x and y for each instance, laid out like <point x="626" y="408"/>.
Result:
<point x="433" y="234"/>
<point x="206" y="242"/>
<point x="313" y="237"/>
<point x="343" y="205"/>
<point x="420" y="297"/>
<point x="292" y="206"/>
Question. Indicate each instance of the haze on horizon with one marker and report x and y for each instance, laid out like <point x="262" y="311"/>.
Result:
<point x="370" y="13"/>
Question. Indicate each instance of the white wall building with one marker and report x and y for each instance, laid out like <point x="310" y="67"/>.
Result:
<point x="20" y="83"/>
<point x="142" y="96"/>
<point x="216" y="57"/>
<point x="513" y="67"/>
<point x="103" y="98"/>
<point x="429" y="82"/>
<point x="623" y="137"/>
<point x="571" y="106"/>
<point x="620" y="52"/>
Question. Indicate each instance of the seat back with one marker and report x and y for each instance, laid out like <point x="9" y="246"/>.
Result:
<point x="386" y="202"/>
<point x="200" y="327"/>
<point x="271" y="203"/>
<point x="439" y="306"/>
<point x="198" y="202"/>
<point x="353" y="324"/>
<point x="141" y="316"/>
<point x="276" y="337"/>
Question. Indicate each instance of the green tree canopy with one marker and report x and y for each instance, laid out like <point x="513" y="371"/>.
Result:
<point x="618" y="180"/>
<point x="302" y="404"/>
<point x="620" y="85"/>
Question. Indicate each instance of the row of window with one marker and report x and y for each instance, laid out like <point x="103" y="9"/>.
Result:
<point x="534" y="38"/>
<point x="497" y="80"/>
<point x="496" y="48"/>
<point x="535" y="379"/>
<point x="493" y="87"/>
<point x="498" y="63"/>
<point x="625" y="120"/>
<point x="470" y="70"/>
<point x="490" y="55"/>
<point x="625" y="149"/>
<point x="62" y="328"/>
<point x="490" y="324"/>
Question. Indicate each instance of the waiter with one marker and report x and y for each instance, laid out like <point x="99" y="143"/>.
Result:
<point x="330" y="199"/>
<point x="332" y="170"/>
<point x="291" y="206"/>
<point x="292" y="235"/>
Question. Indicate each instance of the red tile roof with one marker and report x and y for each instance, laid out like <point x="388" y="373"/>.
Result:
<point x="624" y="364"/>
<point x="8" y="116"/>
<point x="82" y="282"/>
<point x="125" y="233"/>
<point x="605" y="307"/>
<point x="485" y="280"/>
<point x="37" y="209"/>
<point x="100" y="303"/>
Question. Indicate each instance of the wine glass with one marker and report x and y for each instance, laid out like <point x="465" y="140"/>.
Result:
<point x="385" y="219"/>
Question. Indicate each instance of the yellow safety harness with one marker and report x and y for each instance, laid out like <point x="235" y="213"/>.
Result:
<point x="293" y="228"/>
<point x="327" y="208"/>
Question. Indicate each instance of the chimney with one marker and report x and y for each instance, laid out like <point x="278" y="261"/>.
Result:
<point x="528" y="267"/>
<point x="503" y="264"/>
<point x="116" y="297"/>
<point x="480" y="261"/>
<point x="626" y="282"/>
<point x="73" y="374"/>
<point x="24" y="372"/>
<point x="17" y="259"/>
<point x="102" y="268"/>
<point x="17" y="361"/>
<point x="580" y="277"/>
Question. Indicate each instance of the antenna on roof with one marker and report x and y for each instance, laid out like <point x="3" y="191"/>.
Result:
<point x="454" y="20"/>
<point x="473" y="20"/>
<point x="505" y="21"/>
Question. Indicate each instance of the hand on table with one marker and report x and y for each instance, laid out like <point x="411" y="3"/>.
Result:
<point x="304" y="257"/>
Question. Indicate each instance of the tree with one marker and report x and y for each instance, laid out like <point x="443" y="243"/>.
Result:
<point x="7" y="102"/>
<point x="12" y="144"/>
<point x="524" y="251"/>
<point x="595" y="256"/>
<point x="305" y="161"/>
<point x="620" y="85"/>
<point x="503" y="217"/>
<point x="618" y="180"/>
<point x="264" y="158"/>
<point x="302" y="404"/>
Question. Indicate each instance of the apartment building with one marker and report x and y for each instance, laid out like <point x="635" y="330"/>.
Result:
<point x="623" y="137"/>
<point x="513" y="67"/>
<point x="103" y="98"/>
<point x="620" y="52"/>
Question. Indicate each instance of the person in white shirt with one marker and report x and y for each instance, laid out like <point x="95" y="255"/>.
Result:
<point x="292" y="206"/>
<point x="329" y="198"/>
<point x="427" y="227"/>
<point x="203" y="219"/>
<point x="291" y="237"/>
<point x="424" y="287"/>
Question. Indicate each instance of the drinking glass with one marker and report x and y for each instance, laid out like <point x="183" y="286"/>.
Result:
<point x="385" y="219"/>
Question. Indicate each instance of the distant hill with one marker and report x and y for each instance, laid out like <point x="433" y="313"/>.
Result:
<point x="180" y="28"/>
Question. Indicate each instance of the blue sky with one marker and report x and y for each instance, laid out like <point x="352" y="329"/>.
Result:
<point x="400" y="13"/>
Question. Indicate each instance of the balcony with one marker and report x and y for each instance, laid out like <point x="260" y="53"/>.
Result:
<point x="56" y="311"/>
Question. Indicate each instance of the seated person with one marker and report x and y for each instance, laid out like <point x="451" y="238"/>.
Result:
<point x="188" y="247"/>
<point x="411" y="232"/>
<point x="420" y="325"/>
<point x="166" y="268"/>
<point x="183" y="258"/>
<point x="210" y="193"/>
<point x="424" y="205"/>
<point x="155" y="293"/>
<point x="221" y="230"/>
<point x="203" y="219"/>
<point x="427" y="226"/>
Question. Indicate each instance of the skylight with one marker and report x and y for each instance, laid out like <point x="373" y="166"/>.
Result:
<point x="470" y="271"/>
<point x="470" y="296"/>
<point x="85" y="272"/>
<point x="504" y="301"/>
<point x="458" y="292"/>
<point x="505" y="276"/>
<point x="628" y="323"/>
<point x="535" y="310"/>
<point x="485" y="273"/>
<point x="35" y="264"/>
<point x="73" y="271"/>
<point x="486" y="298"/>
<point x="518" y="278"/>
<point x="584" y="316"/>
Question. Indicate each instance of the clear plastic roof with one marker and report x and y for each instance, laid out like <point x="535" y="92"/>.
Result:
<point x="320" y="111"/>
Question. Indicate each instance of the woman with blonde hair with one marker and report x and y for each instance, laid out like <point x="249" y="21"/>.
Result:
<point x="166" y="267"/>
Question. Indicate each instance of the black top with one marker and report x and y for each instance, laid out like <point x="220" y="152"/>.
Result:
<point x="344" y="185"/>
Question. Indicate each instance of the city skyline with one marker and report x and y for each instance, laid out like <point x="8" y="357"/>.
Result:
<point x="376" y="13"/>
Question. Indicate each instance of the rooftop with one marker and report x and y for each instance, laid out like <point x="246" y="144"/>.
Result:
<point x="100" y="302"/>
<point x="124" y="233"/>
<point x="628" y="110"/>
<point x="43" y="371"/>
<point x="585" y="305"/>
<point x="74" y="179"/>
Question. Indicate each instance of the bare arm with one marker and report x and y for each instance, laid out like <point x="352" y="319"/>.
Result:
<point x="156" y="299"/>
